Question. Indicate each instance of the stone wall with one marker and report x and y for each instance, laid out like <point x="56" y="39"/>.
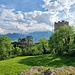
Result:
<point x="58" y="24"/>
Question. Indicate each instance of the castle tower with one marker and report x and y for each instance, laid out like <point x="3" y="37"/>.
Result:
<point x="58" y="24"/>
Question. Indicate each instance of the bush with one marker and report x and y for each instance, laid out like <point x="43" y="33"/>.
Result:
<point x="26" y="52"/>
<point x="35" y="51"/>
<point x="17" y="51"/>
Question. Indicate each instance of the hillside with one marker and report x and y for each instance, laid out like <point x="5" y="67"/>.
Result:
<point x="16" y="65"/>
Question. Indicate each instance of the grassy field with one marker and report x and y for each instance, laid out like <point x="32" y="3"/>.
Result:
<point x="16" y="65"/>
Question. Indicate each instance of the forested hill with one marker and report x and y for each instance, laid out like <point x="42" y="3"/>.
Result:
<point x="35" y="35"/>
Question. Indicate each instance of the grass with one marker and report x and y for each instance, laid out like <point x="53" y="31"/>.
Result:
<point x="19" y="64"/>
<point x="12" y="67"/>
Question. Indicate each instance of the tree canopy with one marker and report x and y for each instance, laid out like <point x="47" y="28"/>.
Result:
<point x="5" y="47"/>
<point x="60" y="42"/>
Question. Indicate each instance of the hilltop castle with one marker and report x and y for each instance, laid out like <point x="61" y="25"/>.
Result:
<point x="58" y="24"/>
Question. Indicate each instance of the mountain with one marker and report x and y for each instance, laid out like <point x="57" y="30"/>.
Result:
<point x="35" y="35"/>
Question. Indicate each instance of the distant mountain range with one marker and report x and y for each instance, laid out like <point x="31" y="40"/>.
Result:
<point x="35" y="35"/>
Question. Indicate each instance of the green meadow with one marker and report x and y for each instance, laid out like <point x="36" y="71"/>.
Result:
<point x="16" y="65"/>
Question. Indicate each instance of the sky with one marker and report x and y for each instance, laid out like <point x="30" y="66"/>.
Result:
<point x="23" y="16"/>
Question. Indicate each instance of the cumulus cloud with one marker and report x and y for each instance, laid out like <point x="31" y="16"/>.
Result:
<point x="58" y="4"/>
<point x="52" y="6"/>
<point x="47" y="18"/>
<point x="19" y="22"/>
<point x="63" y="7"/>
<point x="12" y="21"/>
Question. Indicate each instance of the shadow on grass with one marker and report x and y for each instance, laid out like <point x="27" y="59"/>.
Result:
<point x="49" y="61"/>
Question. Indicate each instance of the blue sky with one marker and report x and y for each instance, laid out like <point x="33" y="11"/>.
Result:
<point x="22" y="16"/>
<point x="23" y="5"/>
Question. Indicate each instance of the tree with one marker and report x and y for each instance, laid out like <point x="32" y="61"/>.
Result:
<point x="45" y="45"/>
<point x="17" y="51"/>
<point x="5" y="47"/>
<point x="22" y="43"/>
<point x="72" y="46"/>
<point x="25" y="42"/>
<point x="29" y="42"/>
<point x="61" y="40"/>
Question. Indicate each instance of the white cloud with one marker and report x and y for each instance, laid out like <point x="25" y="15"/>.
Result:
<point x="11" y="21"/>
<point x="58" y="4"/>
<point x="21" y="22"/>
<point x="1" y="31"/>
<point x="52" y="6"/>
<point x="42" y="17"/>
<point x="63" y="7"/>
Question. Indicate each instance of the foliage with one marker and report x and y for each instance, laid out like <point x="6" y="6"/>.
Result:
<point x="25" y="42"/>
<point x="29" y="42"/>
<point x="42" y="47"/>
<point x="5" y="47"/>
<point x="17" y="51"/>
<point x="23" y="46"/>
<point x="62" y="40"/>
<point x="45" y="45"/>
<point x="26" y="52"/>
<point x="28" y="46"/>
<point x="35" y="51"/>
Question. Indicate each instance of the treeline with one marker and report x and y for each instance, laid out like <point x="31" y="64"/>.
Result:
<point x="27" y="46"/>
<point x="61" y="42"/>
<point x="23" y="47"/>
